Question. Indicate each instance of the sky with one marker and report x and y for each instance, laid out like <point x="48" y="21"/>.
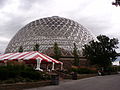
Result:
<point x="99" y="16"/>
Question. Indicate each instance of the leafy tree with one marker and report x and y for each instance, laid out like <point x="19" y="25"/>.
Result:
<point x="20" y="49"/>
<point x="57" y="51"/>
<point x="36" y="47"/>
<point x="102" y="52"/>
<point x="76" y="56"/>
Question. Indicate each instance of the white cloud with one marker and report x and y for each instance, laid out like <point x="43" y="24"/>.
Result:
<point x="100" y="16"/>
<point x="116" y="63"/>
<point x="3" y="39"/>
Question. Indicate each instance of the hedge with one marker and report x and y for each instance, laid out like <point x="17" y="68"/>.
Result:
<point x="21" y="72"/>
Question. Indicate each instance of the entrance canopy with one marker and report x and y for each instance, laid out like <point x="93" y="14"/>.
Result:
<point x="34" y="55"/>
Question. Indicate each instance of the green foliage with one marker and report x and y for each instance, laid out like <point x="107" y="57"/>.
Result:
<point x="111" y="69"/>
<point x="20" y="49"/>
<point x="36" y="47"/>
<point x="20" y="73"/>
<point x="84" y="71"/>
<point x="118" y="68"/>
<point x="101" y="52"/>
<point x="76" y="57"/>
<point x="57" y="51"/>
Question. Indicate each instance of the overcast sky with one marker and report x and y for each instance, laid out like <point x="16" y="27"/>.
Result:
<point x="97" y="15"/>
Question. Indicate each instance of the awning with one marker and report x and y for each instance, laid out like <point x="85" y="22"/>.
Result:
<point x="28" y="56"/>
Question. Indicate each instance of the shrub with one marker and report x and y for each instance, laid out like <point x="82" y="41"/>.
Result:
<point x="20" y="72"/>
<point x="34" y="75"/>
<point x="112" y="69"/>
<point x="84" y="70"/>
<point x="118" y="68"/>
<point x="3" y="73"/>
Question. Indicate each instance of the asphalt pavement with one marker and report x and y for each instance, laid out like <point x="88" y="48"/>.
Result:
<point x="110" y="82"/>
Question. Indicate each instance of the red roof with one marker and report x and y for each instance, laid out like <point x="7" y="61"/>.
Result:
<point x="28" y="56"/>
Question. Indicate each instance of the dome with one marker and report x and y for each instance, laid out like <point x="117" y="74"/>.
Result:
<point x="47" y="31"/>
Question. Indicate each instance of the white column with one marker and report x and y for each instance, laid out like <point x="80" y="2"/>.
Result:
<point x="5" y="62"/>
<point x="38" y="65"/>
<point x="48" y="68"/>
<point x="53" y="66"/>
<point x="62" y="66"/>
<point x="19" y="60"/>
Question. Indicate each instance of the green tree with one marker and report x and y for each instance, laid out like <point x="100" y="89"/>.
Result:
<point x="36" y="47"/>
<point x="57" y="52"/>
<point x="102" y="52"/>
<point x="76" y="56"/>
<point x="20" y="49"/>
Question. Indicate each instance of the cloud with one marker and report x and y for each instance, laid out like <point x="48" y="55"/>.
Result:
<point x="3" y="43"/>
<point x="10" y="28"/>
<point x="97" y="15"/>
<point x="2" y="3"/>
<point x="26" y="4"/>
<point x="3" y="39"/>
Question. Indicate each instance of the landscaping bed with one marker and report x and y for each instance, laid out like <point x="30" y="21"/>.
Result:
<point x="24" y="85"/>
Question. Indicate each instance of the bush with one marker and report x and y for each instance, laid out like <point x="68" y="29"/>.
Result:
<point x="111" y="70"/>
<point x="31" y="75"/>
<point x="3" y="73"/>
<point x="20" y="72"/>
<point x="84" y="70"/>
<point x="118" y="68"/>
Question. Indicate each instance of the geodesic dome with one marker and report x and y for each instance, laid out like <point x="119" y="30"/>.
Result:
<point x="47" y="31"/>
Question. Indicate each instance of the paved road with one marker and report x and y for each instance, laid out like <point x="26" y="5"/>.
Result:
<point x="111" y="82"/>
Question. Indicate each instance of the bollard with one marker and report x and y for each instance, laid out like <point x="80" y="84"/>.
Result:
<point x="55" y="79"/>
<point x="74" y="76"/>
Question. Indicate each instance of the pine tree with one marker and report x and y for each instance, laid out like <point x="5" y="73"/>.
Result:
<point x="57" y="52"/>
<point x="76" y="56"/>
<point x="36" y="47"/>
<point x="20" y="49"/>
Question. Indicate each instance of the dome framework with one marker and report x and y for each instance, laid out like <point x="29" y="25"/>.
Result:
<point x="47" y="31"/>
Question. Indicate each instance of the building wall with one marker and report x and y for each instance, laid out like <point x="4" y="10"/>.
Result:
<point x="68" y="62"/>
